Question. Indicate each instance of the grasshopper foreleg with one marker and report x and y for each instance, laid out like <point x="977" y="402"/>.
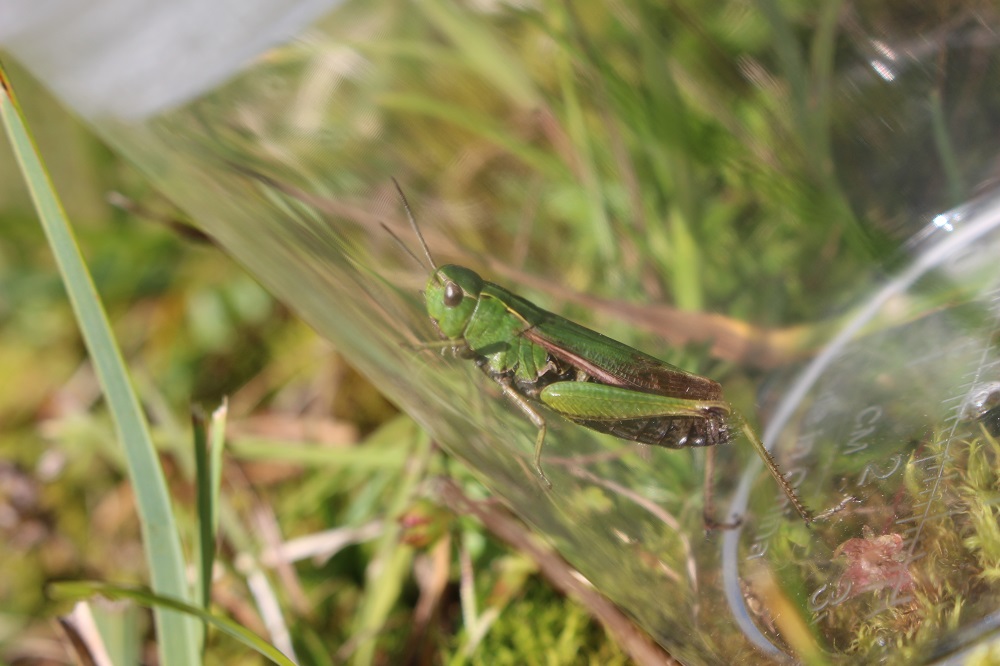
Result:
<point x="458" y="346"/>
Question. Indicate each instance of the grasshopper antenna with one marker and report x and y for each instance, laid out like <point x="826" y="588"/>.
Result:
<point x="416" y="229"/>
<point x="400" y="243"/>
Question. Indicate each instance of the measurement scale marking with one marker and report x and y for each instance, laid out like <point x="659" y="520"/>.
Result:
<point x="935" y="486"/>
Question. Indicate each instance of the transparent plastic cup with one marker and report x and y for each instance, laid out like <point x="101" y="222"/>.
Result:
<point x="898" y="415"/>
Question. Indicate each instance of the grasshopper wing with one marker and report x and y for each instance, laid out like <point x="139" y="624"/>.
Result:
<point x="610" y="362"/>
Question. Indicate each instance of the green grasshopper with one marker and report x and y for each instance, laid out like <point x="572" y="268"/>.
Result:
<point x="539" y="358"/>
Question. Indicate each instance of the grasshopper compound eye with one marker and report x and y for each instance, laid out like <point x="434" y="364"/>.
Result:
<point x="452" y="295"/>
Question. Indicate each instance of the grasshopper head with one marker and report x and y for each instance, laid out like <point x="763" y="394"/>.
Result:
<point x="451" y="295"/>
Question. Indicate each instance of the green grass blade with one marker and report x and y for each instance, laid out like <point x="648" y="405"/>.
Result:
<point x="208" y="442"/>
<point x="216" y="441"/>
<point x="203" y="489"/>
<point x="79" y="590"/>
<point x="176" y="633"/>
<point x="206" y="535"/>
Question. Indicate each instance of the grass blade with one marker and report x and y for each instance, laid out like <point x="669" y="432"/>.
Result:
<point x="176" y="633"/>
<point x="208" y="441"/>
<point x="84" y="589"/>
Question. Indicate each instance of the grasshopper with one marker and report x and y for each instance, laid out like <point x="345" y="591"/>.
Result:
<point x="538" y="358"/>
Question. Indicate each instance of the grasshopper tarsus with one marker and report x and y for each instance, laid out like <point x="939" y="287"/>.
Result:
<point x="544" y="479"/>
<point x="537" y="460"/>
<point x="840" y="506"/>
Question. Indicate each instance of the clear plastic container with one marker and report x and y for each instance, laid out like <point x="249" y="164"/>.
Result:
<point x="899" y="415"/>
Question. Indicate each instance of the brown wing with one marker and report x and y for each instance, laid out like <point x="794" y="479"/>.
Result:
<point x="672" y="432"/>
<point x="610" y="362"/>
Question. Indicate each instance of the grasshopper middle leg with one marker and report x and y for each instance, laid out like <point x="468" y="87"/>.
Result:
<point x="708" y="507"/>
<point x="536" y="419"/>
